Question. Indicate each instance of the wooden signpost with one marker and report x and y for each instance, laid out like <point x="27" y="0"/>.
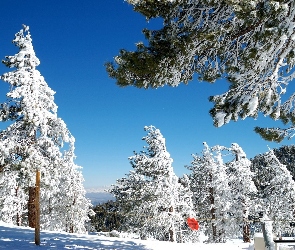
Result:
<point x="37" y="208"/>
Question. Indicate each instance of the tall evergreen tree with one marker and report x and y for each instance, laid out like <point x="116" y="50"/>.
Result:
<point x="13" y="198"/>
<point x="35" y="140"/>
<point x="286" y="156"/>
<point x="151" y="197"/>
<point x="243" y="191"/>
<point x="250" y="43"/>
<point x="211" y="192"/>
<point x="276" y="190"/>
<point x="223" y="192"/>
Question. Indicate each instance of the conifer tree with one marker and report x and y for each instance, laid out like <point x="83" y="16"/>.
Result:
<point x="243" y="191"/>
<point x="224" y="192"/>
<point x="35" y="140"/>
<point x="13" y="198"/>
<point x="250" y="43"/>
<point x="276" y="190"/>
<point x="286" y="156"/>
<point x="211" y="192"/>
<point x="152" y="199"/>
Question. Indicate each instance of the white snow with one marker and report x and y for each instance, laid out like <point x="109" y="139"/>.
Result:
<point x="22" y="238"/>
<point x="219" y="117"/>
<point x="253" y="104"/>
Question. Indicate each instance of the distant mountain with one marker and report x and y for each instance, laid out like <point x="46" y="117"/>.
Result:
<point x="98" y="195"/>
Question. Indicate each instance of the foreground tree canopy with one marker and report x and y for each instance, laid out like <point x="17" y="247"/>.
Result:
<point x="250" y="43"/>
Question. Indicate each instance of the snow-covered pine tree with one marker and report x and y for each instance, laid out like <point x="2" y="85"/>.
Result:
<point x="211" y="193"/>
<point x="153" y="200"/>
<point x="276" y="190"/>
<point x="250" y="43"/>
<point x="34" y="140"/>
<point x="77" y="205"/>
<point x="286" y="156"/>
<point x="69" y="204"/>
<point x="13" y="199"/>
<point x="243" y="191"/>
<point x="186" y="201"/>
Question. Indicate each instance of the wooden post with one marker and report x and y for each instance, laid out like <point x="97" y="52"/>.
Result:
<point x="32" y="207"/>
<point x="37" y="207"/>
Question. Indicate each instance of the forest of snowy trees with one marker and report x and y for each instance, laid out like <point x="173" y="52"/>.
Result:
<point x="226" y="192"/>
<point x="251" y="45"/>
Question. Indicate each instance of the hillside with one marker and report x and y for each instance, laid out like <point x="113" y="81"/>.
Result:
<point x="99" y="197"/>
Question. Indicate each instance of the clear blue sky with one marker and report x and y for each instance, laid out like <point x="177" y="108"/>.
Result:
<point x="73" y="39"/>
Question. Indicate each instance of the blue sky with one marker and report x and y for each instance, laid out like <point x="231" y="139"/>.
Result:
<point x="73" y="39"/>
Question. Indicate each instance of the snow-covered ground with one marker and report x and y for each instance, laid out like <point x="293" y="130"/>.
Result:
<point x="22" y="238"/>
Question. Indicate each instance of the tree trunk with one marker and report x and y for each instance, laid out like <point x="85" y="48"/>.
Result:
<point x="172" y="229"/>
<point x="212" y="210"/>
<point x="246" y="228"/>
<point x="246" y="232"/>
<point x="213" y="215"/>
<point x="18" y="216"/>
<point x="246" y="224"/>
<point x="71" y="225"/>
<point x="37" y="209"/>
<point x="31" y="207"/>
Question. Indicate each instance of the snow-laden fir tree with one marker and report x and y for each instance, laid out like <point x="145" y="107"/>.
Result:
<point x="13" y="199"/>
<point x="153" y="200"/>
<point x="243" y="191"/>
<point x="276" y="190"/>
<point x="69" y="206"/>
<point x="37" y="139"/>
<point x="211" y="193"/>
<point x="250" y="43"/>
<point x="186" y="234"/>
<point x="286" y="156"/>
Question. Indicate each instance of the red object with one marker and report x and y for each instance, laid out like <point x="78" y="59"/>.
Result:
<point x="193" y="223"/>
